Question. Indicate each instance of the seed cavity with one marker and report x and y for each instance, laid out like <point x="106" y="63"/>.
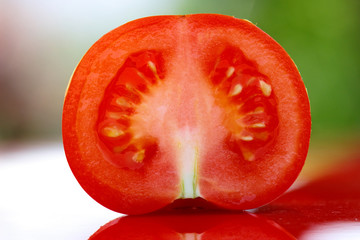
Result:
<point x="236" y="90"/>
<point x="249" y="104"/>
<point x="123" y="145"/>
<point x="265" y="88"/>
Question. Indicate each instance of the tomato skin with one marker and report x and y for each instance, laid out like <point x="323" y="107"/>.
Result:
<point x="132" y="200"/>
<point x="156" y="182"/>
<point x="286" y="71"/>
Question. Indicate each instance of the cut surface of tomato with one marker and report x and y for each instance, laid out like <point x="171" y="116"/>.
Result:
<point x="173" y="107"/>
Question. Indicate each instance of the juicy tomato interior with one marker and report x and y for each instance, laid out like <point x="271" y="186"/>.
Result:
<point x="249" y="106"/>
<point x="123" y="145"/>
<point x="194" y="110"/>
<point x="238" y="88"/>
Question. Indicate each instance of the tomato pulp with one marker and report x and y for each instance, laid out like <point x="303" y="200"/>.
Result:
<point x="177" y="107"/>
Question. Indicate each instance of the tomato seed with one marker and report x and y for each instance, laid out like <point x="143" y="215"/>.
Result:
<point x="122" y="102"/>
<point x="230" y="71"/>
<point x="139" y="156"/>
<point x="112" y="132"/>
<point x="265" y="88"/>
<point x="236" y="90"/>
<point x="258" y="125"/>
<point x="247" y="138"/>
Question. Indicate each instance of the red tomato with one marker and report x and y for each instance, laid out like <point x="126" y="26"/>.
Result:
<point x="200" y="226"/>
<point x="173" y="107"/>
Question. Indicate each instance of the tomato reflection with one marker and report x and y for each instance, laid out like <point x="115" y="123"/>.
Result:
<point x="330" y="200"/>
<point x="192" y="225"/>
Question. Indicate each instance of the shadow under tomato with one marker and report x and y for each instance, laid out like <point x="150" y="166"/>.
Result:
<point x="192" y="224"/>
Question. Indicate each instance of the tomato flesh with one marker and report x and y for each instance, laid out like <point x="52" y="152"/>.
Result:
<point x="173" y="107"/>
<point x="121" y="144"/>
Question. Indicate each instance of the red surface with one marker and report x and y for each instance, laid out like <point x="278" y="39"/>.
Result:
<point x="331" y="199"/>
<point x="186" y="226"/>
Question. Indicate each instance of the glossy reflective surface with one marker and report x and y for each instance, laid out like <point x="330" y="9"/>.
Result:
<point x="40" y="199"/>
<point x="325" y="208"/>
<point x="329" y="204"/>
<point x="192" y="225"/>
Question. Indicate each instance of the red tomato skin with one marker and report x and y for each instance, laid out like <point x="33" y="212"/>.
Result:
<point x="127" y="195"/>
<point x="263" y="43"/>
<point x="131" y="200"/>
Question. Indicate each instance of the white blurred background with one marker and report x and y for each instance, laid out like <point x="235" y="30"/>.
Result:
<point x="41" y="43"/>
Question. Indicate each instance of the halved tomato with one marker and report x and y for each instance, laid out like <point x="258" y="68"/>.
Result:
<point x="174" y="107"/>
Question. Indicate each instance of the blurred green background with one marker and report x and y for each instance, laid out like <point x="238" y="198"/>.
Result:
<point x="42" y="41"/>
